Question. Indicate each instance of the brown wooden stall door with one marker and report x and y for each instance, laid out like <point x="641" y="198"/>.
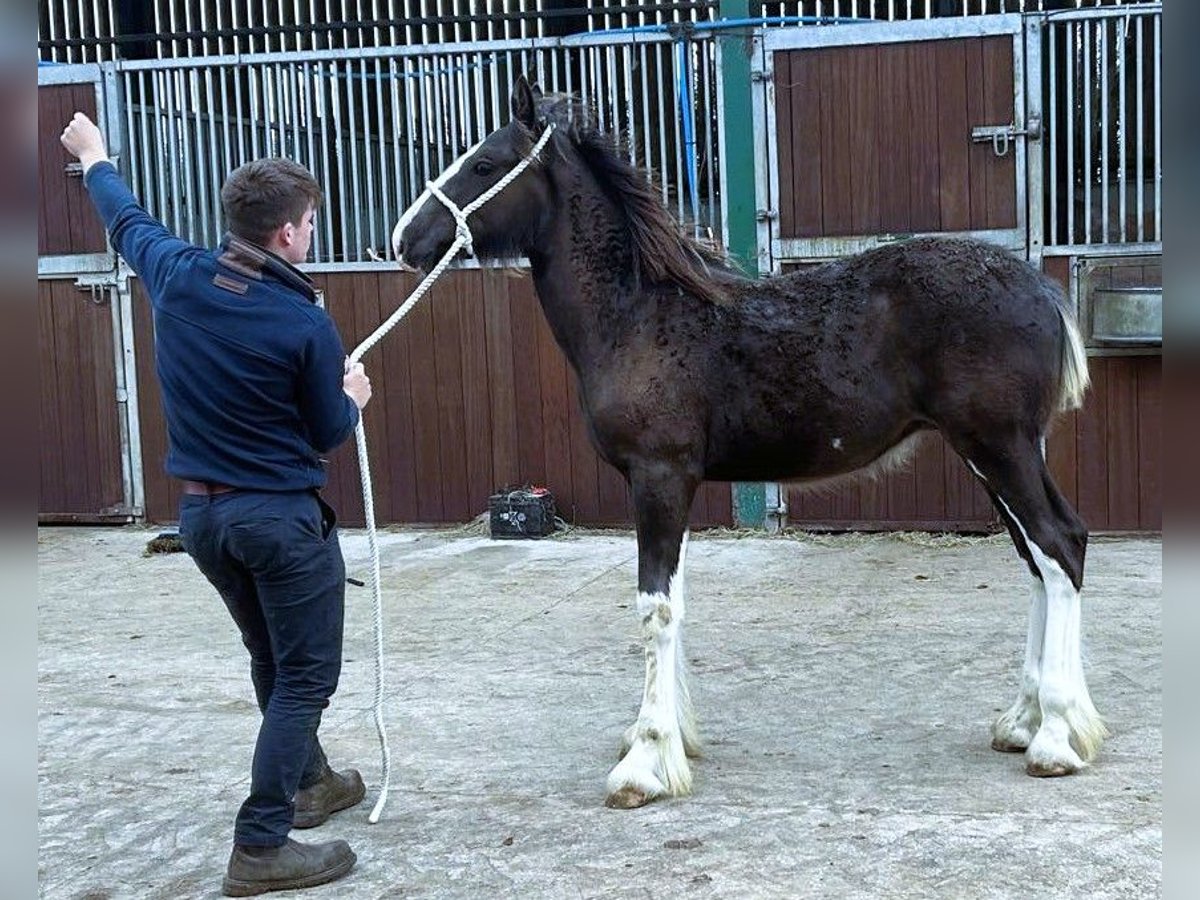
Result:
<point x="79" y="429"/>
<point x="67" y="223"/>
<point x="878" y="138"/>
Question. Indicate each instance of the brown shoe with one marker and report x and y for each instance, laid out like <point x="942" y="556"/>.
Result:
<point x="336" y="791"/>
<point x="256" y="870"/>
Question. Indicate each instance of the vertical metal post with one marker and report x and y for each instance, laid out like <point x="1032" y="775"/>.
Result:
<point x="1033" y="157"/>
<point x="736" y="130"/>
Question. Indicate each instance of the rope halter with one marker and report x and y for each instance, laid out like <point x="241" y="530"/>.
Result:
<point x="462" y="230"/>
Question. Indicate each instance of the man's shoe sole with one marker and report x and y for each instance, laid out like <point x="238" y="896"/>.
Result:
<point x="232" y="887"/>
<point x="312" y="820"/>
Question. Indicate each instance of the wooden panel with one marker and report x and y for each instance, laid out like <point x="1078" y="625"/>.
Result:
<point x="862" y="73"/>
<point x="895" y="163"/>
<point x="805" y="136"/>
<point x="67" y="222"/>
<point x="950" y="59"/>
<point x="998" y="110"/>
<point x="80" y="475"/>
<point x="1149" y="418"/>
<point x="922" y="133"/>
<point x="835" y="145"/>
<point x="1122" y="438"/>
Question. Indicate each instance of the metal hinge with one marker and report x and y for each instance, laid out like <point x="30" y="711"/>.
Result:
<point x="1000" y="135"/>
<point x="760" y="75"/>
<point x="765" y="215"/>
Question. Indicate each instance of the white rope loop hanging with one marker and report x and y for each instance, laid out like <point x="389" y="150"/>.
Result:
<point x="462" y="239"/>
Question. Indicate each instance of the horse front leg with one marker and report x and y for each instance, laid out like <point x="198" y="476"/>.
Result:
<point x="655" y="748"/>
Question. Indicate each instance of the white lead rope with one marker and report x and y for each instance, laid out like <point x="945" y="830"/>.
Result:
<point x="462" y="239"/>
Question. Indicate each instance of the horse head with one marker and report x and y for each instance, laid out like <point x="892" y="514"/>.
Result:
<point x="506" y="224"/>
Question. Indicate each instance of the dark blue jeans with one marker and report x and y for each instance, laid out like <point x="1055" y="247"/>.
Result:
<point x="275" y="560"/>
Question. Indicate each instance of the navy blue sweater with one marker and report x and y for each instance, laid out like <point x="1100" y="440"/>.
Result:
<point x="250" y="368"/>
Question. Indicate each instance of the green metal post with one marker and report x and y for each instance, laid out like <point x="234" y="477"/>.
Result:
<point x="741" y="238"/>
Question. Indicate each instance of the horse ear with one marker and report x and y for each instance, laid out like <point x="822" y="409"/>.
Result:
<point x="524" y="102"/>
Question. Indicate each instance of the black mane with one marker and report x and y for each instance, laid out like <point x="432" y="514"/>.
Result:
<point x="663" y="252"/>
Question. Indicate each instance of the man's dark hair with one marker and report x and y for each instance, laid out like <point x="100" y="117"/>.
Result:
<point x="265" y="194"/>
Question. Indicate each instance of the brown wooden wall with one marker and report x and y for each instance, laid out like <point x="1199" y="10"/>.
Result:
<point x="878" y="138"/>
<point x="471" y="394"/>
<point x="78" y="426"/>
<point x="67" y="223"/>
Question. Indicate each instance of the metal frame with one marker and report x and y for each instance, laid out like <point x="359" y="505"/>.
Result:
<point x="774" y="250"/>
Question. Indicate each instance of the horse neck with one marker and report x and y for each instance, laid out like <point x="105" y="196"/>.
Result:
<point x="583" y="268"/>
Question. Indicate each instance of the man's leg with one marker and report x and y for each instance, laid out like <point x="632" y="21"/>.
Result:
<point x="300" y="580"/>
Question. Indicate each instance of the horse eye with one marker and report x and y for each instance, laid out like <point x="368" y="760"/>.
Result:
<point x="483" y="167"/>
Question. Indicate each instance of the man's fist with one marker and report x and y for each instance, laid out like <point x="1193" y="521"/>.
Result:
<point x="356" y="384"/>
<point x="83" y="139"/>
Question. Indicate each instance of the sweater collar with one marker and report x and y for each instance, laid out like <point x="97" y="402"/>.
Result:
<point x="253" y="261"/>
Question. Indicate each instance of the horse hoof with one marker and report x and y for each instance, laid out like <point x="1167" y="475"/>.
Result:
<point x="1003" y="745"/>
<point x="1052" y="769"/>
<point x="627" y="797"/>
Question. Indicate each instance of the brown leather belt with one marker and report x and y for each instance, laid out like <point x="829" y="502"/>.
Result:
<point x="205" y="488"/>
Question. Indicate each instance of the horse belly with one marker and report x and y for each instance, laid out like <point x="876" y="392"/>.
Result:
<point x="807" y="447"/>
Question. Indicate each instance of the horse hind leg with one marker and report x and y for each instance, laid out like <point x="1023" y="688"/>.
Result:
<point x="656" y="747"/>
<point x="1053" y="718"/>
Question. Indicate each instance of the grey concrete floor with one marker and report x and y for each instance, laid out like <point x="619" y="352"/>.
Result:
<point x="845" y="686"/>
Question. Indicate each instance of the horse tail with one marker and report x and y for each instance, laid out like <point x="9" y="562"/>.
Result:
<point x="1073" y="377"/>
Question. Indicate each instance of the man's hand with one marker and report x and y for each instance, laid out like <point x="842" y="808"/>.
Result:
<point x="356" y="384"/>
<point x="83" y="139"/>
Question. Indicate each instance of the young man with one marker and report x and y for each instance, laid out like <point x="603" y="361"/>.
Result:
<point x="255" y="385"/>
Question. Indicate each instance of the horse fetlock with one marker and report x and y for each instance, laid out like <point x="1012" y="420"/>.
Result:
<point x="655" y="765"/>
<point x="1014" y="731"/>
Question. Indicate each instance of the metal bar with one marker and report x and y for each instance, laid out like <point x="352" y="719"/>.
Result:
<point x="372" y="209"/>
<point x="630" y="118"/>
<point x="310" y="128"/>
<point x="384" y="212"/>
<point x="1141" y="136"/>
<point x="410" y="119"/>
<point x="646" y="160"/>
<point x="676" y="116"/>
<point x="1102" y="59"/>
<point x="709" y="82"/>
<point x="662" y="131"/>
<point x="136" y="181"/>
<point x="423" y="122"/>
<point x="1088" y="62"/>
<point x="326" y="170"/>
<point x="1158" y="127"/>
<point x="185" y="191"/>
<point x="339" y="151"/>
<point x="1122" y="124"/>
<point x="1052" y="132"/>
<point x="256" y="114"/>
<point x="356" y="191"/>
<point x="206" y="201"/>
<point x="1072" y="33"/>
<point x="282" y="111"/>
<point x="172" y="149"/>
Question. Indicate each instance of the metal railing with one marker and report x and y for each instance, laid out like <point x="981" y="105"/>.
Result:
<point x="901" y="10"/>
<point x="73" y="31"/>
<point x="373" y="125"/>
<point x="1104" y="127"/>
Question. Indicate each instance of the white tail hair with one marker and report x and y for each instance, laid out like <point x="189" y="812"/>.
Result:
<point x="1073" y="376"/>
